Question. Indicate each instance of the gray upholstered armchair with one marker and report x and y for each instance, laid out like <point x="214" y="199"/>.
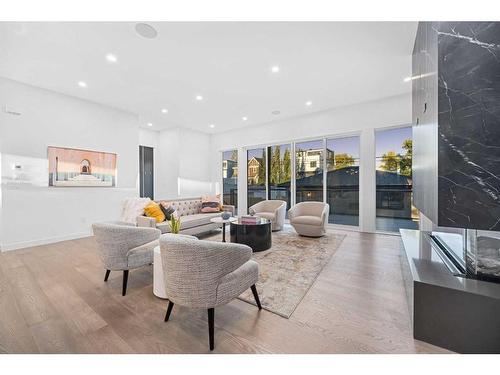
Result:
<point x="206" y="274"/>
<point x="309" y="218"/>
<point x="124" y="247"/>
<point x="274" y="210"/>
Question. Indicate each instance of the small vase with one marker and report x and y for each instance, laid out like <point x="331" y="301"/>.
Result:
<point x="225" y="215"/>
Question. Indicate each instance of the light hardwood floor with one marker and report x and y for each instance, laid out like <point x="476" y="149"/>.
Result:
<point x="53" y="300"/>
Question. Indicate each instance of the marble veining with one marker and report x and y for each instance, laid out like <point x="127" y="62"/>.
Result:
<point x="469" y="124"/>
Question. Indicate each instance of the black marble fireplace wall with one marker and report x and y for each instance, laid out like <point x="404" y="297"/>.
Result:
<point x="456" y="116"/>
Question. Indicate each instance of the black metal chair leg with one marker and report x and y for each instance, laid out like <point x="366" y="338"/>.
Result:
<point x="125" y="279"/>
<point x="107" y="275"/>
<point x="211" y="315"/>
<point x="169" y="310"/>
<point x="256" y="296"/>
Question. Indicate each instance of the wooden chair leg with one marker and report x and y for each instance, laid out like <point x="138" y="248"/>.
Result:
<point x="107" y="275"/>
<point x="256" y="296"/>
<point x="169" y="310"/>
<point x="211" y="316"/>
<point x="125" y="280"/>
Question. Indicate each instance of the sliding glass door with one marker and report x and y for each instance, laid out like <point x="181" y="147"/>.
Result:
<point x="342" y="180"/>
<point x="256" y="176"/>
<point x="321" y="170"/>
<point x="230" y="177"/>
<point x="328" y="170"/>
<point x="309" y="171"/>
<point x="394" y="180"/>
<point x="279" y="172"/>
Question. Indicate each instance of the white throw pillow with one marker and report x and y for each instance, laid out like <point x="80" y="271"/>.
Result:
<point x="133" y="207"/>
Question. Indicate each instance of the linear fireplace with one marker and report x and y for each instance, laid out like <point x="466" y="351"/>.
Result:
<point x="473" y="253"/>
<point x="449" y="308"/>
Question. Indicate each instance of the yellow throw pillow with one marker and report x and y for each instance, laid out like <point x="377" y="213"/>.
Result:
<point x="153" y="210"/>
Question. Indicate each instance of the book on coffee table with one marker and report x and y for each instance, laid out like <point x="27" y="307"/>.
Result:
<point x="247" y="219"/>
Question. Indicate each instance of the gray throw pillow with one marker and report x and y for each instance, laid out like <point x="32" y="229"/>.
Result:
<point x="167" y="211"/>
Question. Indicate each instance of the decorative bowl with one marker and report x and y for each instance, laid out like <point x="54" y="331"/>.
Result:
<point x="225" y="215"/>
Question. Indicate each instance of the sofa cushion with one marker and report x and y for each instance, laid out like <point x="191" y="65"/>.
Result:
<point x="186" y="207"/>
<point x="133" y="207"/>
<point x="167" y="210"/>
<point x="210" y="203"/>
<point x="191" y="221"/>
<point x="164" y="227"/>
<point x="153" y="210"/>
<point x="207" y="207"/>
<point x="307" y="220"/>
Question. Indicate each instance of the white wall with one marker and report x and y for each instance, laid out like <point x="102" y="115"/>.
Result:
<point x="32" y="213"/>
<point x="168" y="164"/>
<point x="360" y="118"/>
<point x="149" y="138"/>
<point x="194" y="166"/>
<point x="183" y="164"/>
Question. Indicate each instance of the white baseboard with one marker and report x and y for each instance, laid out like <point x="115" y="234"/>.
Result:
<point x="43" y="241"/>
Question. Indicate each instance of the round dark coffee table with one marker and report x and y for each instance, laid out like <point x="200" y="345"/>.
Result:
<point x="257" y="236"/>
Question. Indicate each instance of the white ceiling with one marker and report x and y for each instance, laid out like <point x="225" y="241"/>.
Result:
<point x="229" y="64"/>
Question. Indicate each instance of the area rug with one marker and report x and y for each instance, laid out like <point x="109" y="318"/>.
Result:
<point x="289" y="268"/>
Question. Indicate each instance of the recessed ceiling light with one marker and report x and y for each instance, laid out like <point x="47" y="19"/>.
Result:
<point x="199" y="97"/>
<point x="275" y="69"/>
<point x="164" y="110"/>
<point x="309" y="103"/>
<point x="212" y="126"/>
<point x="146" y="31"/>
<point x="82" y="84"/>
<point x="276" y="112"/>
<point x="150" y="124"/>
<point x="111" y="58"/>
<point x="244" y="118"/>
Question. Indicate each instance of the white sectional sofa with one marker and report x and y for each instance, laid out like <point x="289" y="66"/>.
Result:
<point x="193" y="221"/>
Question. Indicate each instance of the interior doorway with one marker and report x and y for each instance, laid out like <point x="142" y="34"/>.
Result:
<point x="146" y="171"/>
